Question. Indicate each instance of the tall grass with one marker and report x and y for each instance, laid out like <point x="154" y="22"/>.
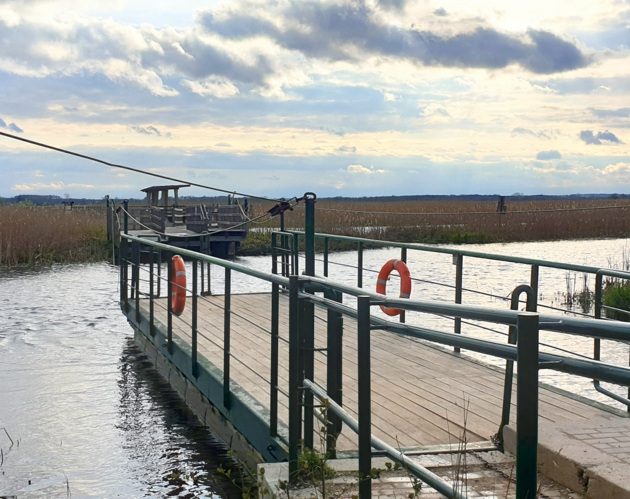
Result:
<point x="462" y="221"/>
<point x="47" y="234"/>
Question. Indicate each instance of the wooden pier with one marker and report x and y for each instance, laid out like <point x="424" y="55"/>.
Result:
<point x="276" y="373"/>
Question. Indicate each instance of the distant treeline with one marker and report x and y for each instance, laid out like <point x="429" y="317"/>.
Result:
<point x="49" y="199"/>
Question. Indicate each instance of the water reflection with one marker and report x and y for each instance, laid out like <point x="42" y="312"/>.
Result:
<point x="179" y="455"/>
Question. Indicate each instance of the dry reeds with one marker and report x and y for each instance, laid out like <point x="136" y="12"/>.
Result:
<point x="46" y="234"/>
<point x="459" y="221"/>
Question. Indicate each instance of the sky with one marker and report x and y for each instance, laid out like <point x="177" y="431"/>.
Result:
<point x="342" y="98"/>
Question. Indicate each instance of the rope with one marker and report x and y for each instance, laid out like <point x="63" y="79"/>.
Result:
<point x="200" y="233"/>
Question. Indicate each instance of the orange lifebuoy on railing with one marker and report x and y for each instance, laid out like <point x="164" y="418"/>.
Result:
<point x="178" y="285"/>
<point x="405" y="282"/>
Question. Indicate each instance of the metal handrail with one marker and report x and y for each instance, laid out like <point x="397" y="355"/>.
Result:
<point x="475" y="254"/>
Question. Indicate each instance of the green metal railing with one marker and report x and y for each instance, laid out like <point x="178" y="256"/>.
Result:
<point x="302" y="294"/>
<point x="458" y="260"/>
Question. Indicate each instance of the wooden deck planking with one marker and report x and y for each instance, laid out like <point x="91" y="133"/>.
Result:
<point x="422" y="394"/>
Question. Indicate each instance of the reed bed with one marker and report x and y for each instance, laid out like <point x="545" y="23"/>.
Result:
<point x="36" y="235"/>
<point x="465" y="221"/>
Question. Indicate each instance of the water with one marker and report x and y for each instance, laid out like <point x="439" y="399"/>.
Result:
<point x="89" y="418"/>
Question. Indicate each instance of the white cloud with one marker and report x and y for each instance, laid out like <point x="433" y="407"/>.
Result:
<point x="357" y="169"/>
<point x="51" y="186"/>
<point x="212" y="87"/>
<point x="617" y="169"/>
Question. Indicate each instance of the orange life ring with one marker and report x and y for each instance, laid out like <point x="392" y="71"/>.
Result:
<point x="178" y="285"/>
<point x="405" y="282"/>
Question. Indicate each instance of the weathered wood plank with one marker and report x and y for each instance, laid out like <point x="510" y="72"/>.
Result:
<point x="422" y="394"/>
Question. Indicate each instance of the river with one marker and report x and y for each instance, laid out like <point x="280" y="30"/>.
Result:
<point x="83" y="415"/>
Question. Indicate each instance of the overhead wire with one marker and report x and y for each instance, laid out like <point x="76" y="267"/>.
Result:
<point x="132" y="169"/>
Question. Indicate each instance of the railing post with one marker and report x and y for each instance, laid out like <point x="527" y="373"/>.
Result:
<point x="530" y="306"/>
<point x="597" y="311"/>
<point x="159" y="273"/>
<point x="274" y="253"/>
<point x="533" y="282"/>
<point x="334" y="371"/>
<point x="325" y="256"/>
<point x="151" y="290"/>
<point x="459" y="273"/>
<point x="227" y="299"/>
<point x="295" y="392"/>
<point x="365" y="392"/>
<point x="123" y="274"/>
<point x="295" y="251"/>
<point x="360" y="265"/>
<point x="308" y="366"/>
<point x="273" y="376"/>
<point x="136" y="278"/>
<point x="309" y="233"/>
<point x="169" y="308"/>
<point x="403" y="256"/>
<point x="193" y="345"/>
<point x="527" y="406"/>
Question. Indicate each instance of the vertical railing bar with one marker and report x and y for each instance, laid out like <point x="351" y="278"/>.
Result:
<point x="459" y="273"/>
<point x="296" y="254"/>
<point x="527" y="406"/>
<point x="273" y="376"/>
<point x="169" y="302"/>
<point x="364" y="396"/>
<point x="274" y="253"/>
<point x="359" y="265"/>
<point x="530" y="306"/>
<point x="534" y="279"/>
<point x="151" y="291"/>
<point x="193" y="355"/>
<point x="307" y="362"/>
<point x="309" y="233"/>
<point x="295" y="407"/>
<point x="402" y="317"/>
<point x="136" y="278"/>
<point x="227" y="303"/>
<point x="334" y="371"/>
<point x="325" y="256"/>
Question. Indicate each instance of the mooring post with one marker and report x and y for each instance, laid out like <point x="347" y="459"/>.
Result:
<point x="533" y="282"/>
<point x="365" y="401"/>
<point x="295" y="392"/>
<point x="527" y="406"/>
<point x="227" y="305"/>
<point x="459" y="274"/>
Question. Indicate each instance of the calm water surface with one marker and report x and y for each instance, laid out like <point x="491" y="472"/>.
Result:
<point x="88" y="418"/>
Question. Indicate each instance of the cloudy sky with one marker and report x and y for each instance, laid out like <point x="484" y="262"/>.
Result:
<point x="361" y="97"/>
